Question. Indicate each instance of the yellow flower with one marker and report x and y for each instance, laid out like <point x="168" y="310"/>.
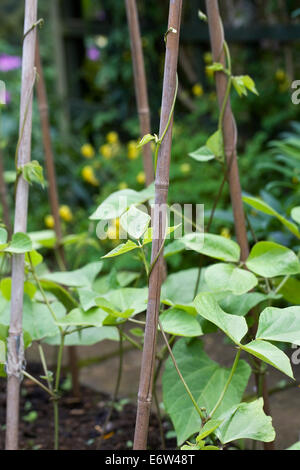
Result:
<point x="87" y="150"/>
<point x="112" y="137"/>
<point x="185" y="168"/>
<point x="88" y="175"/>
<point x="106" y="151"/>
<point x="225" y="232"/>
<point x="280" y="75"/>
<point x="197" y="89"/>
<point x="295" y="180"/>
<point x="65" y="213"/>
<point x="123" y="185"/>
<point x="133" y="151"/>
<point x="141" y="177"/>
<point x="49" y="221"/>
<point x="208" y="57"/>
<point x="209" y="72"/>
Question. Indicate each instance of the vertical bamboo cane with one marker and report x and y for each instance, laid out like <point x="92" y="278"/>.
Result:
<point x="52" y="189"/>
<point x="229" y="127"/>
<point x="140" y="84"/>
<point x="15" y="347"/>
<point x="159" y="218"/>
<point x="230" y="139"/>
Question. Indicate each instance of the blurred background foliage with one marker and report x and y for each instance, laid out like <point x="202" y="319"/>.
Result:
<point x="87" y="63"/>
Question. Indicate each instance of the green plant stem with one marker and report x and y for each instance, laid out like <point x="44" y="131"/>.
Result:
<point x="233" y="369"/>
<point x="144" y="259"/>
<point x="37" y="382"/>
<point x="131" y="341"/>
<point x="56" y="391"/>
<point x="44" y="364"/>
<point x="202" y="417"/>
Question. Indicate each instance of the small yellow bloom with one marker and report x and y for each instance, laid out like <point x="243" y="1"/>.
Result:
<point x="123" y="185"/>
<point x="208" y="57"/>
<point x="295" y="180"/>
<point x="112" y="137"/>
<point x="88" y="175"/>
<point x="197" y="89"/>
<point x="141" y="177"/>
<point x="185" y="168"/>
<point x="133" y="151"/>
<point x="49" y="221"/>
<point x="65" y="213"/>
<point x="280" y="75"/>
<point x="106" y="151"/>
<point x="209" y="72"/>
<point x="87" y="150"/>
<point x="225" y="232"/>
<point x="112" y="233"/>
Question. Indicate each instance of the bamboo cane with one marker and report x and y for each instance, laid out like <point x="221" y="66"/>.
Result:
<point x="15" y="347"/>
<point x="140" y="84"/>
<point x="52" y="191"/>
<point x="229" y="127"/>
<point x="230" y="140"/>
<point x="159" y="218"/>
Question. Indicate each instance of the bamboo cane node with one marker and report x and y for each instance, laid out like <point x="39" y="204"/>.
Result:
<point x="144" y="111"/>
<point x="15" y="356"/>
<point x="162" y="186"/>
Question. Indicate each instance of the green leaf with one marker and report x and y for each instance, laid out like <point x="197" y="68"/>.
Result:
<point x="179" y="287"/>
<point x="206" y="380"/>
<point x="246" y="421"/>
<point x="203" y="154"/>
<point x="180" y="323"/>
<point x="145" y="140"/>
<point x="86" y="337"/>
<point x="290" y="290"/>
<point x="214" y="246"/>
<point x="135" y="222"/>
<point x="83" y="277"/>
<point x="233" y="326"/>
<point x="209" y="428"/>
<point x="34" y="257"/>
<point x="270" y="354"/>
<point x="20" y="243"/>
<point x="128" y="298"/>
<point x="295" y="446"/>
<point x="241" y="304"/>
<point x="227" y="277"/>
<point x="42" y="238"/>
<point x="280" y="324"/>
<point x="117" y="203"/>
<point x="295" y="214"/>
<point x="33" y="173"/>
<point x="215" y="67"/>
<point x="215" y="144"/>
<point x="121" y="249"/>
<point x="78" y="317"/>
<point x="269" y="259"/>
<point x="242" y="83"/>
<point x="3" y="236"/>
<point x="149" y="233"/>
<point x="60" y="293"/>
<point x="262" y="206"/>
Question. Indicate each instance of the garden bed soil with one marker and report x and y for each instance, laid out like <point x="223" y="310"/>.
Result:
<point x="81" y="421"/>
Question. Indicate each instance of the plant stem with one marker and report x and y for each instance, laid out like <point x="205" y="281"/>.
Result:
<point x="180" y="374"/>
<point x="37" y="382"/>
<point x="233" y="369"/>
<point x="56" y="391"/>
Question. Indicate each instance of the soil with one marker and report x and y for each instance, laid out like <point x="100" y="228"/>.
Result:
<point x="81" y="421"/>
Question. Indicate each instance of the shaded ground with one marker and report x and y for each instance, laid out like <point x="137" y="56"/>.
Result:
<point x="81" y="421"/>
